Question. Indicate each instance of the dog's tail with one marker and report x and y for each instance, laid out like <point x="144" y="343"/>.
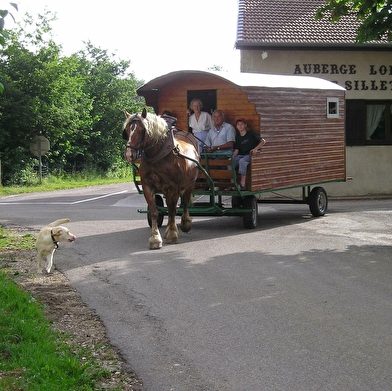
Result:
<point x="58" y="222"/>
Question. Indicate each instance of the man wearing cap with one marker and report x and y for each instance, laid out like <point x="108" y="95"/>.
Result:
<point x="170" y="118"/>
<point x="246" y="143"/>
<point x="221" y="137"/>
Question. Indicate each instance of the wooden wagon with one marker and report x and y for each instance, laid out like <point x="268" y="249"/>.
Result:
<point x="302" y="119"/>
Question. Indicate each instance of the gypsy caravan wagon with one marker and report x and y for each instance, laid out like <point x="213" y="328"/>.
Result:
<point x="301" y="118"/>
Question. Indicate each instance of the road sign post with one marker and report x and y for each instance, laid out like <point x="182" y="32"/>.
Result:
<point x="39" y="147"/>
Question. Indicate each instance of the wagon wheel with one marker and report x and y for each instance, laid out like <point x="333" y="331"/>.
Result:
<point x="318" y="201"/>
<point x="159" y="202"/>
<point x="250" y="219"/>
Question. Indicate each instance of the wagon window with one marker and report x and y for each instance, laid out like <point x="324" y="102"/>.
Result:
<point x="332" y="107"/>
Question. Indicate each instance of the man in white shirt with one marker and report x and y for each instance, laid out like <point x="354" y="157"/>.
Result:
<point x="220" y="139"/>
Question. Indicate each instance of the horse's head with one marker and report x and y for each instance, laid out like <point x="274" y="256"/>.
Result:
<point x="134" y="132"/>
<point x="143" y="131"/>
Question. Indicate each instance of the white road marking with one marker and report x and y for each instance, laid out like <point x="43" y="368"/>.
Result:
<point x="64" y="203"/>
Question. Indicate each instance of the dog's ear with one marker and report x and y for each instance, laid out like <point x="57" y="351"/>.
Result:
<point x="57" y="231"/>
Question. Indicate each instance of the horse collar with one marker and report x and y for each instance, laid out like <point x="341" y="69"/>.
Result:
<point x="167" y="147"/>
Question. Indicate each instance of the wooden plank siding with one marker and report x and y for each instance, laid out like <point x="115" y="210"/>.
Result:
<point x="230" y="99"/>
<point x="303" y="147"/>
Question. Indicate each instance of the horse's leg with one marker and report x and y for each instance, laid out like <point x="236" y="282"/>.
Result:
<point x="171" y="234"/>
<point x="155" y="238"/>
<point x="186" y="221"/>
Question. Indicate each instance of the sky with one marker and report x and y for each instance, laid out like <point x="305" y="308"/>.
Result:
<point x="156" y="36"/>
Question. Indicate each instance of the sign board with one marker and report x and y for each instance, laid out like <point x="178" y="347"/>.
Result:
<point x="40" y="146"/>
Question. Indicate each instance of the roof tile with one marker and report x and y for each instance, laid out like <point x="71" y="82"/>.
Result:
<point x="292" y="23"/>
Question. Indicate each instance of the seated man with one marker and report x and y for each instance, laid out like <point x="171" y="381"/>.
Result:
<point x="221" y="137"/>
<point x="170" y="119"/>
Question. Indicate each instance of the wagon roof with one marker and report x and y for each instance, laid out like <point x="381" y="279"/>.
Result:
<point x="245" y="80"/>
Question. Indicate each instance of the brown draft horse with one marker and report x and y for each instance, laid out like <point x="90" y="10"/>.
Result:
<point x="168" y="166"/>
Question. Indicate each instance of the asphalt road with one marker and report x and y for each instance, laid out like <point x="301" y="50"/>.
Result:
<point x="300" y="303"/>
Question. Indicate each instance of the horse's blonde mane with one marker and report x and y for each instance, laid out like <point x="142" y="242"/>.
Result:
<point x="156" y="126"/>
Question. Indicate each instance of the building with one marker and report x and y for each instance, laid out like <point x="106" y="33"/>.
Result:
<point x="283" y="37"/>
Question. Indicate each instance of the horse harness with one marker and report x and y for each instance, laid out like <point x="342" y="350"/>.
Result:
<point x="167" y="146"/>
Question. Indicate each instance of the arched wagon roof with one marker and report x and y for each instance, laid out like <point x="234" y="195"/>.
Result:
<point x="244" y="80"/>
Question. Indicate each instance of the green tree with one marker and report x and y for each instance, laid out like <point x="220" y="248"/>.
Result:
<point x="77" y="102"/>
<point x="3" y="31"/>
<point x="375" y="17"/>
<point x="111" y="89"/>
<point x="44" y="95"/>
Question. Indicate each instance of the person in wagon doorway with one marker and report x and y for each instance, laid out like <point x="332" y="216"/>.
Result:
<point x="246" y="143"/>
<point x="200" y="122"/>
<point x="221" y="137"/>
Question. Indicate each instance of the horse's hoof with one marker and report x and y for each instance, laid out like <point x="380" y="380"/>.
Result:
<point x="172" y="242"/>
<point x="186" y="228"/>
<point x="155" y="246"/>
<point x="186" y="224"/>
<point x="171" y="238"/>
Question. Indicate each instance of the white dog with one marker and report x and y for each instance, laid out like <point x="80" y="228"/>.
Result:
<point x="48" y="241"/>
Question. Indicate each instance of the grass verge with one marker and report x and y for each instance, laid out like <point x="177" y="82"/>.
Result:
<point x="34" y="356"/>
<point x="63" y="182"/>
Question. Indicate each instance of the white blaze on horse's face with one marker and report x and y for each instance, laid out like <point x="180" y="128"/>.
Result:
<point x="132" y="129"/>
<point x="133" y="142"/>
<point x="132" y="135"/>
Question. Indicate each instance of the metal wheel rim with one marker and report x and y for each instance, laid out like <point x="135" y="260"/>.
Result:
<point x="321" y="202"/>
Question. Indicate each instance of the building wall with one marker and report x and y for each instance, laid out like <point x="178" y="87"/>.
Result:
<point x="364" y="75"/>
<point x="370" y="170"/>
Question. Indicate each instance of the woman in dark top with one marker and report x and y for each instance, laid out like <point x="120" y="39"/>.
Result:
<point x="246" y="143"/>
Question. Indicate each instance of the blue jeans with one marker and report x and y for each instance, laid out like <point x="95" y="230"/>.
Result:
<point x="242" y="161"/>
<point x="201" y="137"/>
